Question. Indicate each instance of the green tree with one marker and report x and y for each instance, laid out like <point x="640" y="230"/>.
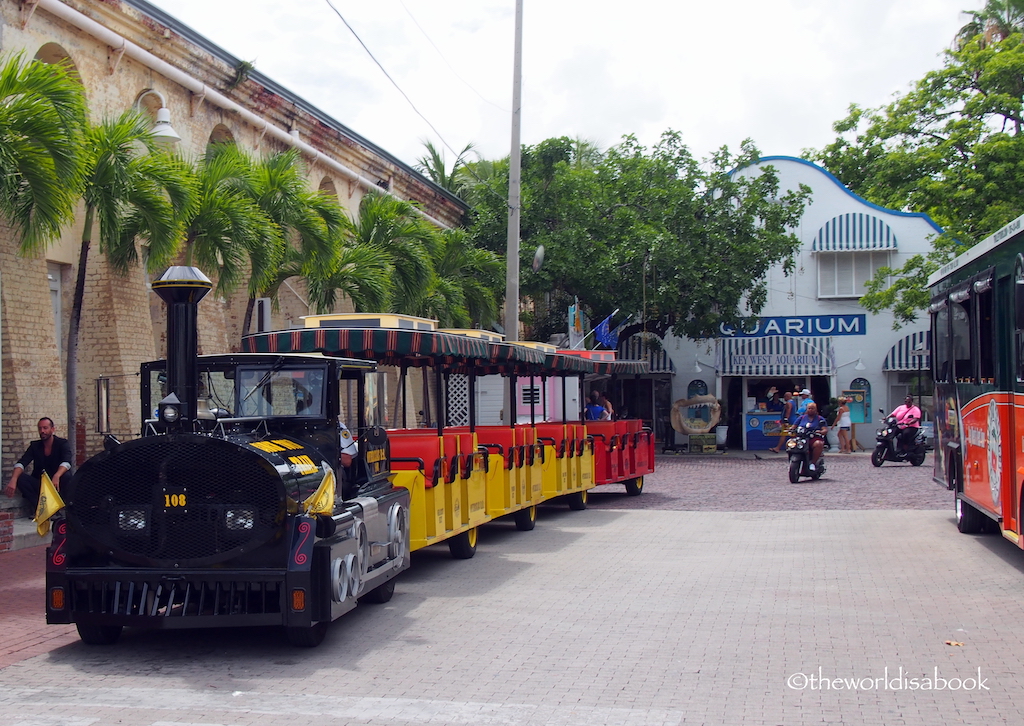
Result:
<point x="405" y="240"/>
<point x="42" y="114"/>
<point x="435" y="167"/>
<point x="227" y="234"/>
<point x="462" y="293"/>
<point x="951" y="148"/>
<point x="134" y="191"/>
<point x="683" y="245"/>
<point x="311" y="226"/>
<point x="996" y="21"/>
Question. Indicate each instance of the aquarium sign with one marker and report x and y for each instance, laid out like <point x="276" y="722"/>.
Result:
<point x="800" y="326"/>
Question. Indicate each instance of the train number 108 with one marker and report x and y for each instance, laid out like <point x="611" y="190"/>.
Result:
<point x="174" y="500"/>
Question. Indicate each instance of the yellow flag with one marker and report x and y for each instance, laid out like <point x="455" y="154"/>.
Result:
<point x="49" y="504"/>
<point x="322" y="500"/>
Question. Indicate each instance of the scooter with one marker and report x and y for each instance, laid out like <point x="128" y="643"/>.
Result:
<point x="799" y="450"/>
<point x="888" y="448"/>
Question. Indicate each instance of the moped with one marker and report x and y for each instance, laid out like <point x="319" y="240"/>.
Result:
<point x="799" y="450"/>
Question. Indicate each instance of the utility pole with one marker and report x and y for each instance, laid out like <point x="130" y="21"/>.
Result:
<point x="514" y="183"/>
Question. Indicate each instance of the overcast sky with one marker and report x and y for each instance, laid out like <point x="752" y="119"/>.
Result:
<point x="778" y="72"/>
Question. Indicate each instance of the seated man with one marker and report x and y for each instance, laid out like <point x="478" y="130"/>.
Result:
<point x="908" y="418"/>
<point x="50" y="454"/>
<point x="816" y="424"/>
<point x="348" y="449"/>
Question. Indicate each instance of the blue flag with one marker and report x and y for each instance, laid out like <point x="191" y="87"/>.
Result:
<point x="605" y="335"/>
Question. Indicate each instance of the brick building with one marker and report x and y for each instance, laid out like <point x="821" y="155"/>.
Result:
<point x="128" y="53"/>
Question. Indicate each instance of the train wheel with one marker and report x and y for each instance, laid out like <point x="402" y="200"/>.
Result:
<point x="307" y="637"/>
<point x="577" y="501"/>
<point x="463" y="545"/>
<point x="380" y="594"/>
<point x="99" y="634"/>
<point x="635" y="487"/>
<point x="968" y="519"/>
<point x="526" y="519"/>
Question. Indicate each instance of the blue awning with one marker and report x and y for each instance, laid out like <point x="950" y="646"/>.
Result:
<point x="854" y="232"/>
<point x="911" y="353"/>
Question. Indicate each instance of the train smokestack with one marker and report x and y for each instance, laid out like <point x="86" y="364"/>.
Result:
<point x="182" y="288"/>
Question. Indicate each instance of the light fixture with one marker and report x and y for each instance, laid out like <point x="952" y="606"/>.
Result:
<point x="696" y="367"/>
<point x="858" y="360"/>
<point x="163" y="133"/>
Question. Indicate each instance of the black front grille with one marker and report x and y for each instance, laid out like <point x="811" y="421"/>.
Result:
<point x="176" y="598"/>
<point x="182" y="499"/>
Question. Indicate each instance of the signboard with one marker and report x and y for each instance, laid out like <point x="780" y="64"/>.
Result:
<point x="703" y="444"/>
<point x="799" y="326"/>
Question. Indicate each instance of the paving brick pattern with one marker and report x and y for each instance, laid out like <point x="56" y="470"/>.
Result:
<point x="613" y="615"/>
<point x="738" y="482"/>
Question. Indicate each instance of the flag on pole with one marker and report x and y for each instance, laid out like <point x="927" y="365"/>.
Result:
<point x="49" y="504"/>
<point x="575" y="326"/>
<point x="605" y="335"/>
<point x="322" y="500"/>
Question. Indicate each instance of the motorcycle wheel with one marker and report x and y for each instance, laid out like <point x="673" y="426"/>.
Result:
<point x="818" y="471"/>
<point x="878" y="456"/>
<point x="917" y="458"/>
<point x="794" y="470"/>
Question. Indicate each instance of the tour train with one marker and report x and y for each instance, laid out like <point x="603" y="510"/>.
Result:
<point x="234" y="506"/>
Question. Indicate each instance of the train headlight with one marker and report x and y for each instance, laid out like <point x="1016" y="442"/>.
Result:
<point x="132" y="520"/>
<point x="240" y="519"/>
<point x="170" y="414"/>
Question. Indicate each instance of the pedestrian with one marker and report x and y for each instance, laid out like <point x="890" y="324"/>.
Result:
<point x="50" y="454"/>
<point x="804" y="402"/>
<point x="843" y="422"/>
<point x="594" y="411"/>
<point x="788" y="416"/>
<point x="607" y="407"/>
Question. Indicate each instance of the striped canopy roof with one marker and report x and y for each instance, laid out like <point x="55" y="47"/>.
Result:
<point x="853" y="232"/>
<point x="417" y="348"/>
<point x="904" y="355"/>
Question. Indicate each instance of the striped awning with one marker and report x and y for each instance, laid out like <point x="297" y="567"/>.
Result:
<point x="777" y="355"/>
<point x="852" y="232"/>
<point x="904" y="355"/>
<point x="632" y="348"/>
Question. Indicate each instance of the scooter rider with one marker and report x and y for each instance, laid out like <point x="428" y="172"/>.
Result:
<point x="816" y="424"/>
<point x="908" y="418"/>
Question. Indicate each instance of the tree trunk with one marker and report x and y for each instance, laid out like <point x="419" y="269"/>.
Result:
<point x="71" y="375"/>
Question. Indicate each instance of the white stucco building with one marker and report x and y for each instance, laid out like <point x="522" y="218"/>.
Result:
<point x="812" y="332"/>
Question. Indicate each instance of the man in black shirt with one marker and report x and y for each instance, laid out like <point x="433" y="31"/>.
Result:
<point x="50" y="453"/>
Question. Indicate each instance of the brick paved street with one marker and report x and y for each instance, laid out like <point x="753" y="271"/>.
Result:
<point x="617" y="615"/>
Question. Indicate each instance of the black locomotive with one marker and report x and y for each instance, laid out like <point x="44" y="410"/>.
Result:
<point x="232" y="508"/>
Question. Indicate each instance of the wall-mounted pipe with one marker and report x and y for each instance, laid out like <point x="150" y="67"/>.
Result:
<point x="114" y="40"/>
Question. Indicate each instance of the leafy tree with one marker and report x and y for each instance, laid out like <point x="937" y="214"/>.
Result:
<point x="131" y="194"/>
<point x="42" y="114"/>
<point x="462" y="293"/>
<point x="994" y="22"/>
<point x="405" y="240"/>
<point x="227" y="233"/>
<point x="951" y="147"/>
<point x="683" y="245"/>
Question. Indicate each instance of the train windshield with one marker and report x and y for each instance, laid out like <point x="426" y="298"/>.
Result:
<point x="268" y="391"/>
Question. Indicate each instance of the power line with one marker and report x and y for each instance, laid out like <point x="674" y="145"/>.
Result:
<point x="450" y="67"/>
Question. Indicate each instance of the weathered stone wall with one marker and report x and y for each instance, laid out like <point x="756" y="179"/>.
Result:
<point x="122" y="321"/>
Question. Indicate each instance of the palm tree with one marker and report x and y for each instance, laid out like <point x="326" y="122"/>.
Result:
<point x="311" y="225"/>
<point x="42" y="114"/>
<point x="433" y="165"/>
<point x="996" y="21"/>
<point x="392" y="227"/>
<point x="131" y="195"/>
<point x="227" y="234"/>
<point x="463" y="293"/>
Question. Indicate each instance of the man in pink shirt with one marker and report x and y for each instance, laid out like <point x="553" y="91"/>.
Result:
<point x="908" y="417"/>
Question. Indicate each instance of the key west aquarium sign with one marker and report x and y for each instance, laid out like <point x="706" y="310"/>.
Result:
<point x="799" y="326"/>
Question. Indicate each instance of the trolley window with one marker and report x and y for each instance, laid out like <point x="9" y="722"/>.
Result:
<point x="986" y="333"/>
<point x="267" y="391"/>
<point x="940" y="338"/>
<point x="963" y="368"/>
<point x="1018" y="324"/>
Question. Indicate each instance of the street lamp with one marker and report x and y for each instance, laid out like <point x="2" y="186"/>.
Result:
<point x="163" y="133"/>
